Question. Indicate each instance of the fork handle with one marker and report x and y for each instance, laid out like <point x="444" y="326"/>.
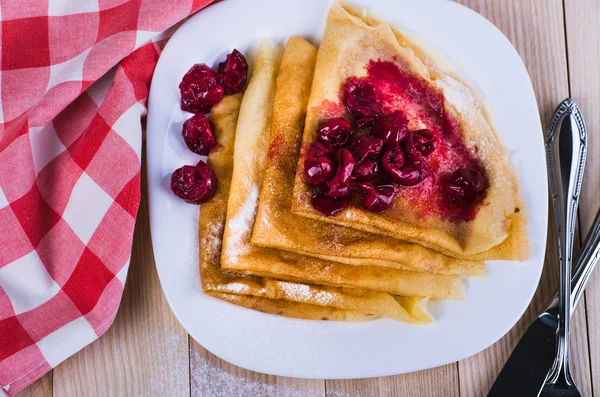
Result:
<point x="566" y="148"/>
<point x="587" y="262"/>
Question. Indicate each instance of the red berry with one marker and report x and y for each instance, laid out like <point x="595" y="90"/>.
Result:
<point x="392" y="128"/>
<point x="198" y="135"/>
<point x="334" y="132"/>
<point x="339" y="185"/>
<point x="464" y="187"/>
<point x="376" y="198"/>
<point x="233" y="73"/>
<point x="199" y="89"/>
<point x="195" y="185"/>
<point x="366" y="170"/>
<point x="425" y="142"/>
<point x="399" y="169"/>
<point x="318" y="170"/>
<point x="319" y="149"/>
<point x="365" y="122"/>
<point x="329" y="206"/>
<point x="365" y="146"/>
<point x="362" y="100"/>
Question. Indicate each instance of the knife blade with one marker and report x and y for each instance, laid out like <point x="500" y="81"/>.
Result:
<point x="527" y="367"/>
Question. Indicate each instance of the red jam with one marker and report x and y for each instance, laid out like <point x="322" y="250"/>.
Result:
<point x="195" y="185"/>
<point x="198" y="135"/>
<point x="412" y="149"/>
<point x="438" y="150"/>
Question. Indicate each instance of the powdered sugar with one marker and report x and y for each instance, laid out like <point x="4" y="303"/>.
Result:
<point x="211" y="381"/>
<point x="324" y="297"/>
<point x="235" y="288"/>
<point x="240" y="226"/>
<point x="213" y="239"/>
<point x="296" y="291"/>
<point x="306" y="293"/>
<point x="219" y="379"/>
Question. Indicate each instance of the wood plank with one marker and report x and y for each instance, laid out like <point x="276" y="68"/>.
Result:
<point x="440" y="381"/>
<point x="40" y="388"/>
<point x="536" y="29"/>
<point x="582" y="19"/>
<point x="145" y="352"/>
<point x="212" y="377"/>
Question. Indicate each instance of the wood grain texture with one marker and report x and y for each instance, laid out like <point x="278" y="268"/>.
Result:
<point x="582" y="20"/>
<point x="145" y="352"/>
<point x="40" y="388"/>
<point x="212" y="377"/>
<point x="536" y="29"/>
<point x="440" y="381"/>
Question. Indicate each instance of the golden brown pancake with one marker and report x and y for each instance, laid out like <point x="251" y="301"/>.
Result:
<point x="277" y="227"/>
<point x="288" y="308"/>
<point x="289" y="299"/>
<point x="413" y="79"/>
<point x="238" y="254"/>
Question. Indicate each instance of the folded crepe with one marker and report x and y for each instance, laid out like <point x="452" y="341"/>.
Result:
<point x="289" y="299"/>
<point x="414" y="79"/>
<point x="277" y="227"/>
<point x="253" y="129"/>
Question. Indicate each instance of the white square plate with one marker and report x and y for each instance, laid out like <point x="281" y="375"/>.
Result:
<point x="314" y="349"/>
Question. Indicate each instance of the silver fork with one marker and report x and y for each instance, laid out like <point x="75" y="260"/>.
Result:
<point x="566" y="148"/>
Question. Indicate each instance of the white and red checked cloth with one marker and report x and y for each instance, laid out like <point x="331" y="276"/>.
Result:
<point x="74" y="79"/>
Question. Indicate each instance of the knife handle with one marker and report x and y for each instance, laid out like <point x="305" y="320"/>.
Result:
<point x="566" y="149"/>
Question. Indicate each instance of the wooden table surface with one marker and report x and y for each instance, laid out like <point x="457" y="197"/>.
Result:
<point x="147" y="353"/>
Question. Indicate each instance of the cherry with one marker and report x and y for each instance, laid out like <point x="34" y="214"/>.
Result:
<point x="464" y="187"/>
<point x="345" y="164"/>
<point x="233" y="73"/>
<point x="366" y="170"/>
<point x="195" y="185"/>
<point x="392" y="128"/>
<point x="319" y="149"/>
<point x="365" y="122"/>
<point x="198" y="135"/>
<point x="338" y="185"/>
<point x="334" y="132"/>
<point x="329" y="206"/>
<point x="318" y="170"/>
<point x="398" y="168"/>
<point x="425" y="141"/>
<point x="334" y="188"/>
<point x="199" y="89"/>
<point x="376" y="198"/>
<point x="362" y="100"/>
<point x="392" y="162"/>
<point x="365" y="146"/>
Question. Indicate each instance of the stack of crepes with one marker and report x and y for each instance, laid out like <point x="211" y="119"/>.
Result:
<point x="263" y="246"/>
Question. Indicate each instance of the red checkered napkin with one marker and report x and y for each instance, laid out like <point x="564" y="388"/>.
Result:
<point x="70" y="142"/>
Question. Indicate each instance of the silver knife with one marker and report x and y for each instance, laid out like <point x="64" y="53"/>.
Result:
<point x="527" y="367"/>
